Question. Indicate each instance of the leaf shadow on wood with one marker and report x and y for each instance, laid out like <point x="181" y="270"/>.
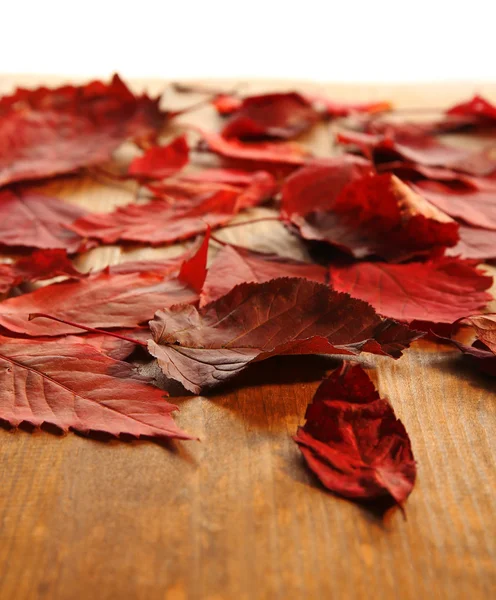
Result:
<point x="465" y="368"/>
<point x="175" y="447"/>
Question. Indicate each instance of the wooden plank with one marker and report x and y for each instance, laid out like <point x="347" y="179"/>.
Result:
<point x="238" y="515"/>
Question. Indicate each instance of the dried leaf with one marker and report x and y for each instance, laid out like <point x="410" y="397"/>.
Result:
<point x="159" y="162"/>
<point x="203" y="348"/>
<point x="475" y="243"/>
<point x="353" y="441"/>
<point x="104" y="300"/>
<point x="46" y="132"/>
<point x="32" y="220"/>
<point x="378" y="215"/>
<point x="233" y="266"/>
<point x="71" y="385"/>
<point x="436" y="291"/>
<point x="281" y="116"/>
<point x="43" y="264"/>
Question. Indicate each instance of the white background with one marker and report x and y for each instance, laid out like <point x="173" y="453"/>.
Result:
<point x="327" y="40"/>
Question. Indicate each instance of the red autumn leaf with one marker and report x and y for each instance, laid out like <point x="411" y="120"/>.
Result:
<point x="233" y="266"/>
<point x="477" y="244"/>
<point x="159" y="222"/>
<point x="203" y="348"/>
<point x="477" y="110"/>
<point x="159" y="162"/>
<point x="474" y="207"/>
<point x="378" y="215"/>
<point x="104" y="300"/>
<point x="420" y="148"/>
<point x="252" y="188"/>
<point x="194" y="270"/>
<point x="317" y="185"/>
<point x="437" y="291"/>
<point x="32" y="220"/>
<point x="46" y="132"/>
<point x="73" y="386"/>
<point x="353" y="441"/>
<point x="43" y="264"/>
<point x="279" y="115"/>
<point x="277" y="153"/>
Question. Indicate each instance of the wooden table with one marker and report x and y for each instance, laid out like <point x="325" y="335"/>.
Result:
<point x="238" y="515"/>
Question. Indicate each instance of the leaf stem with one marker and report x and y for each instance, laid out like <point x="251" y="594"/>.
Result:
<point x="85" y="328"/>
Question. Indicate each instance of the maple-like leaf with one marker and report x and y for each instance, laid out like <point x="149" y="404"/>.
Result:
<point x="277" y="115"/>
<point x="159" y="162"/>
<point x="42" y="264"/>
<point x="353" y="441"/>
<point x="437" y="291"/>
<point x="419" y="148"/>
<point x="317" y="185"/>
<point x="71" y="385"/>
<point x="32" y="220"/>
<point x="233" y="266"/>
<point x="104" y="300"/>
<point x="45" y="132"/>
<point x="377" y="215"/>
<point x="162" y="222"/>
<point x="475" y="207"/>
<point x="202" y="348"/>
<point x="279" y="153"/>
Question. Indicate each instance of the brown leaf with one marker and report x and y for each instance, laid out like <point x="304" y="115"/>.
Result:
<point x="203" y="348"/>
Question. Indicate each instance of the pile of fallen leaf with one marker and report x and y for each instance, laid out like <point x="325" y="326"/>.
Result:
<point x="398" y="222"/>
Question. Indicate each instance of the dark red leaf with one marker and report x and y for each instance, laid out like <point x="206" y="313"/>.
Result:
<point x="353" y="441"/>
<point x="30" y="219"/>
<point x="281" y="116"/>
<point x="422" y="149"/>
<point x="105" y="300"/>
<point x="477" y="110"/>
<point x="317" y="185"/>
<point x="475" y="207"/>
<point x="160" y="222"/>
<point x="45" y="132"/>
<point x="377" y="215"/>
<point x="71" y="385"/>
<point x="203" y="348"/>
<point x="437" y="291"/>
<point x="233" y="266"/>
<point x="485" y="329"/>
<point x="43" y="264"/>
<point x="159" y="162"/>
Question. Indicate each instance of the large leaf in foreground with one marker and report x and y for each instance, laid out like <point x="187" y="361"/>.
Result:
<point x="436" y="291"/>
<point x="202" y="348"/>
<point x="353" y="441"/>
<point x="73" y="386"/>
<point x="104" y="300"/>
<point x="33" y="220"/>
<point x="45" y="132"/>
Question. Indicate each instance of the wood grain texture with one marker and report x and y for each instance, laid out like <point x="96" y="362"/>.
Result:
<point x="238" y="515"/>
